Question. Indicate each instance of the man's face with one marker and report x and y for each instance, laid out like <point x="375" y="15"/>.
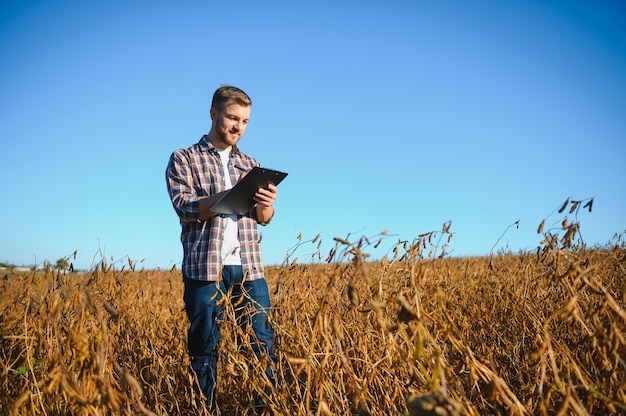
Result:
<point x="229" y="124"/>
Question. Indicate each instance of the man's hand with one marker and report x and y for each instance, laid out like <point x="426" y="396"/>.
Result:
<point x="264" y="199"/>
<point x="206" y="202"/>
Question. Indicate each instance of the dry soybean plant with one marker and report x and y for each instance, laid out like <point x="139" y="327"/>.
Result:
<point x="414" y="333"/>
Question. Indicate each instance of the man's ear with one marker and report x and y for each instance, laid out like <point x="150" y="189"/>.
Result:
<point x="213" y="113"/>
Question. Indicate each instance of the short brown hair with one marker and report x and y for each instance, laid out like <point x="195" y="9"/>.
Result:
<point x="228" y="92"/>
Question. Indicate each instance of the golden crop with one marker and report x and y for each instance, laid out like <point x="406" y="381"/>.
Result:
<point x="531" y="333"/>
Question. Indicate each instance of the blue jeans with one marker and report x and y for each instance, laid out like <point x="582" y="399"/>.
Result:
<point x="252" y="308"/>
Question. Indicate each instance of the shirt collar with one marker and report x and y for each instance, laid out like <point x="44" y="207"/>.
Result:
<point x="205" y="143"/>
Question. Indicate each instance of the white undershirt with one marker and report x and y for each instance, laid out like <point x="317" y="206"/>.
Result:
<point x="230" y="242"/>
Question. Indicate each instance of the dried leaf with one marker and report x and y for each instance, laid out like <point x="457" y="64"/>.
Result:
<point x="540" y="229"/>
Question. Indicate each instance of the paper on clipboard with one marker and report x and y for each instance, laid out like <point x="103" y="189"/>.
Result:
<point x="239" y="199"/>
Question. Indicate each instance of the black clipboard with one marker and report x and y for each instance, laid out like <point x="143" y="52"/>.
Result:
<point x="239" y="199"/>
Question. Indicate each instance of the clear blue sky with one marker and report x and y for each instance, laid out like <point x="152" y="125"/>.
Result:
<point x="387" y="115"/>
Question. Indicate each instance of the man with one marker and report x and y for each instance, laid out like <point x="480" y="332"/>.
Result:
<point x="221" y="252"/>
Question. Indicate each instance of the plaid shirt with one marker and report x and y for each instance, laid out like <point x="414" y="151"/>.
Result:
<point x="195" y="172"/>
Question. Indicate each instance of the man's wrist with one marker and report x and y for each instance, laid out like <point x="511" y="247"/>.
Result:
<point x="266" y="217"/>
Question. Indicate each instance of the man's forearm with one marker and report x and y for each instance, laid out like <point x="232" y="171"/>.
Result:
<point x="264" y="214"/>
<point x="205" y="204"/>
